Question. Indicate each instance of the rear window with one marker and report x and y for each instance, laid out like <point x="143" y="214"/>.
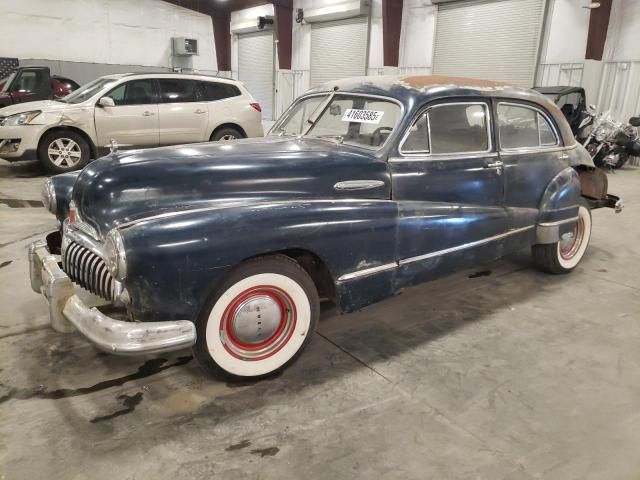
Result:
<point x="523" y="127"/>
<point x="212" y="91"/>
<point x="177" y="90"/>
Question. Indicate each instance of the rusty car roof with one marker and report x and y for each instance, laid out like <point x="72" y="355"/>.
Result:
<point x="413" y="91"/>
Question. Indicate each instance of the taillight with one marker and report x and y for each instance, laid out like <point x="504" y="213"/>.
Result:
<point x="257" y="106"/>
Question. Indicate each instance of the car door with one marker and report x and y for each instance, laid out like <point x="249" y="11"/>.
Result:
<point x="31" y="84"/>
<point x="448" y="184"/>
<point x="220" y="104"/>
<point x="183" y="116"/>
<point x="133" y="121"/>
<point x="531" y="154"/>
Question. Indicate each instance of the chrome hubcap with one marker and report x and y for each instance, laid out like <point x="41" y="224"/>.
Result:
<point x="570" y="244"/>
<point x="258" y="322"/>
<point x="64" y="152"/>
<point x="226" y="138"/>
<point x="256" y="319"/>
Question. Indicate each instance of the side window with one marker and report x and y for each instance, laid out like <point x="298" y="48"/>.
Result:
<point x="135" y="92"/>
<point x="458" y="128"/>
<point x="523" y="127"/>
<point x="547" y="137"/>
<point x="31" y="81"/>
<point x="417" y="141"/>
<point x="177" y="90"/>
<point x="212" y="91"/>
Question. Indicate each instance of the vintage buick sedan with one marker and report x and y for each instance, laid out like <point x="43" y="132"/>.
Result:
<point x="363" y="187"/>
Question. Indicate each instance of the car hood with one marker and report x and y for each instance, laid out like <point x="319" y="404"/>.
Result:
<point x="125" y="187"/>
<point x="48" y="106"/>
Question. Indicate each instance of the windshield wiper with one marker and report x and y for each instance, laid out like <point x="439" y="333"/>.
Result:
<point x="317" y="114"/>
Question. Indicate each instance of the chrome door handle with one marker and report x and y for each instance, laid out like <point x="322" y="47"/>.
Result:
<point x="564" y="156"/>
<point x="200" y="111"/>
<point x="497" y="165"/>
<point x="148" y="114"/>
<point x="358" y="184"/>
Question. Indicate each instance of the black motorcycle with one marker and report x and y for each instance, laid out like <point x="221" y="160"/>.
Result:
<point x="611" y="143"/>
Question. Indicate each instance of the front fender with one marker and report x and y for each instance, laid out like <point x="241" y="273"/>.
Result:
<point x="174" y="262"/>
<point x="63" y="186"/>
<point x="559" y="206"/>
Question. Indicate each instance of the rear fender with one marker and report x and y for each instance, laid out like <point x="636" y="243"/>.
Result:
<point x="559" y="206"/>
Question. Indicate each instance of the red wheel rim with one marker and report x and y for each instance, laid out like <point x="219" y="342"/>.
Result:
<point x="569" y="249"/>
<point x="244" y="310"/>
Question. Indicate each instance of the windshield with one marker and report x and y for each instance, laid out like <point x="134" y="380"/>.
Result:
<point x="5" y="82"/>
<point x="89" y="90"/>
<point x="351" y="119"/>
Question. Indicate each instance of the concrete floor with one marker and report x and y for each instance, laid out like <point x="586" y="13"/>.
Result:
<point x="500" y="372"/>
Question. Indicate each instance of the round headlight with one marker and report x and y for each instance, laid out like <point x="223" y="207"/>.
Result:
<point x="115" y="255"/>
<point x="49" y="196"/>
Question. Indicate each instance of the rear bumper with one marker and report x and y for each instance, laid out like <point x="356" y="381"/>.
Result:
<point x="610" y="202"/>
<point x="68" y="312"/>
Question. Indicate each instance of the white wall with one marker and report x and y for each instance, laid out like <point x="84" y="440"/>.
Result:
<point x="620" y="86"/>
<point x="417" y="37"/>
<point x="564" y="43"/>
<point x="103" y="31"/>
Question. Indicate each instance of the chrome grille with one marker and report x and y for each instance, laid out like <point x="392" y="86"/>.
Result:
<point x="88" y="270"/>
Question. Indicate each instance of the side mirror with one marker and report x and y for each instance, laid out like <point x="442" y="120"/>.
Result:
<point x="106" y="102"/>
<point x="592" y="107"/>
<point x="635" y="121"/>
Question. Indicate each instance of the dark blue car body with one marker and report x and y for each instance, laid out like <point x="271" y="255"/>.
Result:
<point x="189" y="214"/>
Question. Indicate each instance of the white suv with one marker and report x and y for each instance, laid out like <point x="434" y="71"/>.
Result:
<point x="132" y="110"/>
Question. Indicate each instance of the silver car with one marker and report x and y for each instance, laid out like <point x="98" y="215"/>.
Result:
<point x="132" y="111"/>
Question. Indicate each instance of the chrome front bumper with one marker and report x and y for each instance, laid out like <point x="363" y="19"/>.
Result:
<point x="68" y="312"/>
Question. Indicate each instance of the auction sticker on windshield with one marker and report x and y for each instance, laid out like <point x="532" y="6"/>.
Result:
<point x="362" y="116"/>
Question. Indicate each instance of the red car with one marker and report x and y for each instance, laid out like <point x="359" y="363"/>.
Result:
<point x="34" y="83"/>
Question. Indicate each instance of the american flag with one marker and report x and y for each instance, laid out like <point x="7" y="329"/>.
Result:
<point x="7" y="66"/>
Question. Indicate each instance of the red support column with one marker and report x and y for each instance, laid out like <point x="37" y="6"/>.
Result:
<point x="598" y="26"/>
<point x="222" y="40"/>
<point x="284" y="29"/>
<point x="391" y="27"/>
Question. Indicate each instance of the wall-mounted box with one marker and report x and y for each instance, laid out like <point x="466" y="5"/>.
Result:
<point x="185" y="46"/>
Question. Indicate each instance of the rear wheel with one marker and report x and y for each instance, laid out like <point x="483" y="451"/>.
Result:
<point x="225" y="134"/>
<point x="564" y="255"/>
<point x="63" y="151"/>
<point x="259" y="319"/>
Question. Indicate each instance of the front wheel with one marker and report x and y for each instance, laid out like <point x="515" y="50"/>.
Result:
<point x="63" y="151"/>
<point x="564" y="255"/>
<point x="259" y="320"/>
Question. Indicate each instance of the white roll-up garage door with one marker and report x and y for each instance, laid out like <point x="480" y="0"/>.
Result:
<point x="489" y="39"/>
<point x="338" y="49"/>
<point x="255" y="68"/>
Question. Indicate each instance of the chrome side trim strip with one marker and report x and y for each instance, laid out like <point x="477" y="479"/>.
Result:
<point x="358" y="184"/>
<point x="405" y="261"/>
<point x="464" y="246"/>
<point x="243" y="203"/>
<point x="559" y="222"/>
<point x="367" y="271"/>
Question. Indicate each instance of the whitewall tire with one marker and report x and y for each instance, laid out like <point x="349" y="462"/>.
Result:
<point x="259" y="319"/>
<point x="564" y="255"/>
